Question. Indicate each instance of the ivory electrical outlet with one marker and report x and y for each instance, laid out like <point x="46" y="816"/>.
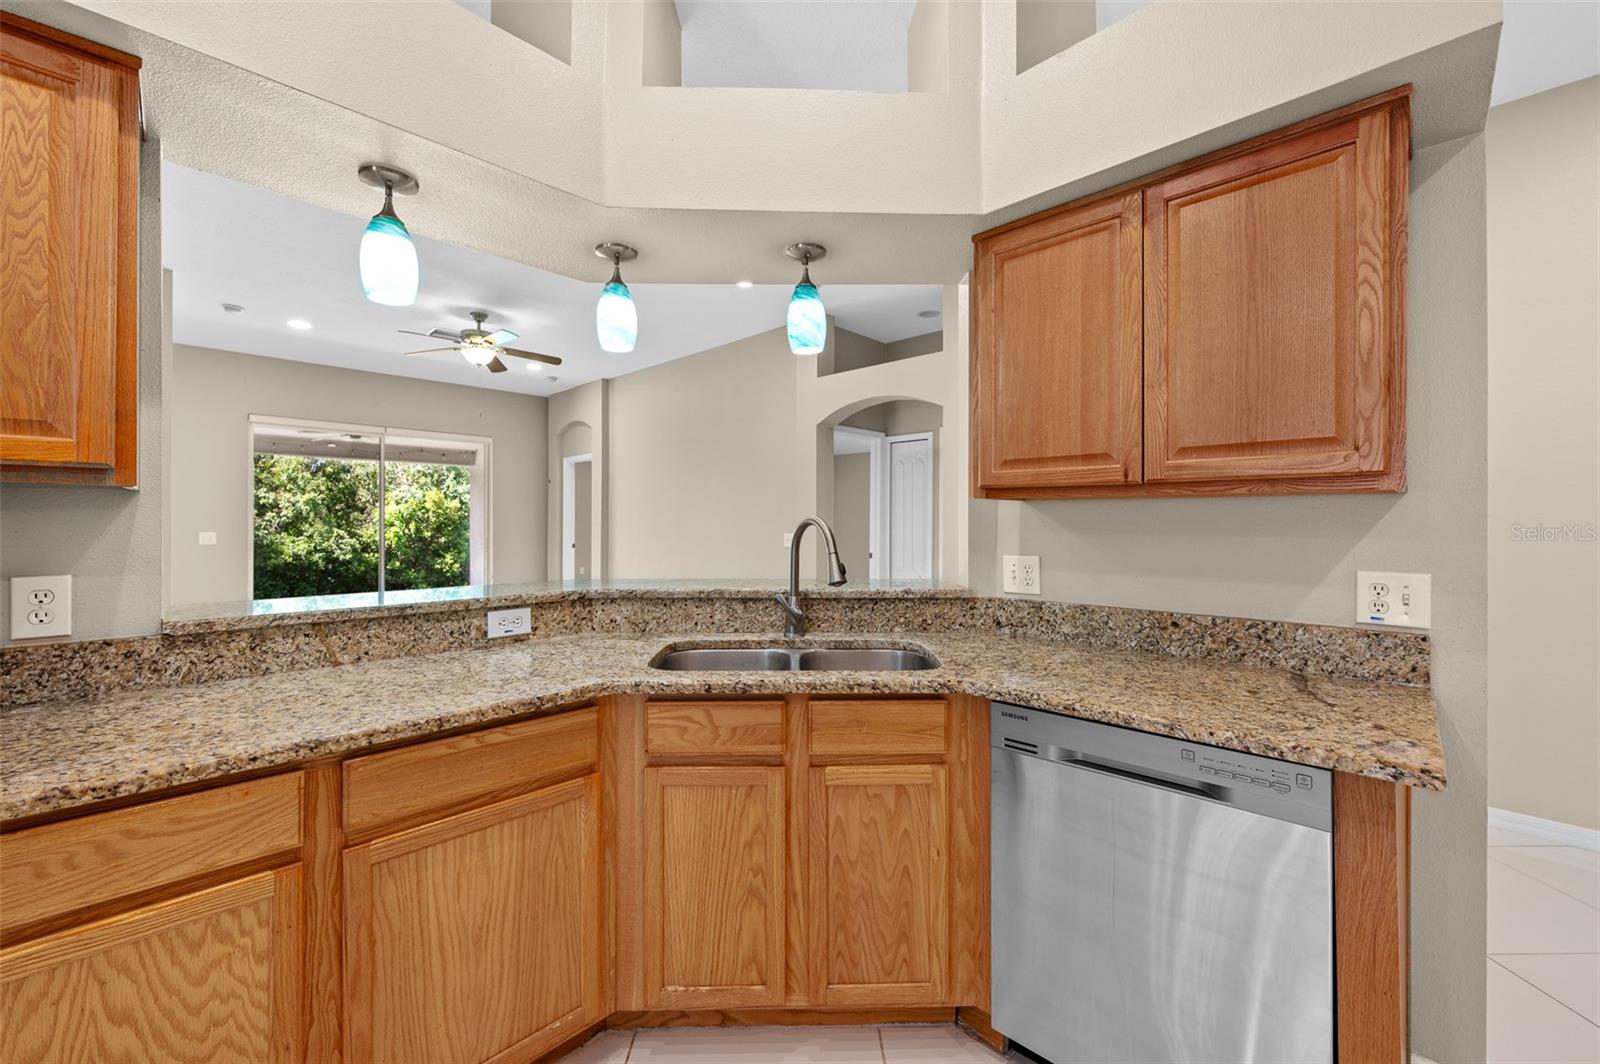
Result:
<point x="41" y="606"/>
<point x="510" y="622"/>
<point x="1394" y="600"/>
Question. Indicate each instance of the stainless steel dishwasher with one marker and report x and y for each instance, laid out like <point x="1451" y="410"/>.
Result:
<point x="1157" y="900"/>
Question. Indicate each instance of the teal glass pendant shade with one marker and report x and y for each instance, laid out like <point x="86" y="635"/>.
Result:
<point x="808" y="318"/>
<point x="616" y="319"/>
<point x="389" y="273"/>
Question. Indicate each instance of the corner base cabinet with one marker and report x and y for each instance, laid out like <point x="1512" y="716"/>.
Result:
<point x="1233" y="325"/>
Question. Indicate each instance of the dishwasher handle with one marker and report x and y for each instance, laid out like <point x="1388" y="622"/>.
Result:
<point x="1207" y="791"/>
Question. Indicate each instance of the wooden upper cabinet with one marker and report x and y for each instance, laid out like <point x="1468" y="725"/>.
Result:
<point x="1270" y="311"/>
<point x="1057" y="352"/>
<point x="477" y="937"/>
<point x="714" y="904"/>
<point x="1256" y="346"/>
<point x="69" y="179"/>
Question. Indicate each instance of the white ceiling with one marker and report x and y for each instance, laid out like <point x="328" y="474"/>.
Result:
<point x="795" y="44"/>
<point x="1545" y="44"/>
<point x="279" y="258"/>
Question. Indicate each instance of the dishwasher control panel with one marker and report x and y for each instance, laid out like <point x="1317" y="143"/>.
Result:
<point x="1300" y="793"/>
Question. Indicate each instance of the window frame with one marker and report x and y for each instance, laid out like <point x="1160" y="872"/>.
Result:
<point x="480" y="505"/>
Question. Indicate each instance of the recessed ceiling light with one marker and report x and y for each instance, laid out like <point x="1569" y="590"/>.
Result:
<point x="535" y="367"/>
<point x="927" y="313"/>
<point x="743" y="284"/>
<point x="298" y="323"/>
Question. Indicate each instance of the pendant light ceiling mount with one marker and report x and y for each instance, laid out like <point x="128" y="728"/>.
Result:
<point x="389" y="178"/>
<point x="616" y="253"/>
<point x="806" y="252"/>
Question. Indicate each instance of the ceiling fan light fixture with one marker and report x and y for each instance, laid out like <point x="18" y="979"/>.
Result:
<point x="808" y="316"/>
<point x="477" y="354"/>
<point x="389" y="270"/>
<point x="616" y="319"/>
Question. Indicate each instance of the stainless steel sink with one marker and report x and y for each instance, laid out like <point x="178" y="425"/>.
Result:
<point x="728" y="659"/>
<point x="785" y="659"/>
<point x="865" y="659"/>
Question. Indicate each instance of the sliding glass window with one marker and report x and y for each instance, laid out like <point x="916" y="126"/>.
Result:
<point x="348" y="509"/>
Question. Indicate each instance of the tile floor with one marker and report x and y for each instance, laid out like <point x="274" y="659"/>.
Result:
<point x="1543" y="989"/>
<point x="1544" y="952"/>
<point x="898" y="1044"/>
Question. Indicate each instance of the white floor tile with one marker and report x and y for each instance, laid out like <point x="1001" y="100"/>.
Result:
<point x="1525" y="916"/>
<point x="757" y="1045"/>
<point x="1571" y="978"/>
<point x="1506" y="837"/>
<point x="607" y="1047"/>
<point x="1527" y="1027"/>
<point x="1570" y="870"/>
<point x="934" y="1045"/>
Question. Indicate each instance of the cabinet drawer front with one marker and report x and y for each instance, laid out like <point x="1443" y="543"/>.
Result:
<point x="60" y="868"/>
<point x="397" y="786"/>
<point x="714" y="728"/>
<point x="865" y="728"/>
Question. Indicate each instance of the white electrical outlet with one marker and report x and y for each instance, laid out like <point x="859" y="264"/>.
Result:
<point x="510" y="622"/>
<point x="1394" y="600"/>
<point x="1020" y="574"/>
<point x="41" y="606"/>
<point x="208" y="539"/>
<point x="788" y="540"/>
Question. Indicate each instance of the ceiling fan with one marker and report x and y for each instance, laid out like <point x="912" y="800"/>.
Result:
<point x="479" y="346"/>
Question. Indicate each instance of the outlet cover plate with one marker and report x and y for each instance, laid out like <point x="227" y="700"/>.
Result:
<point x="504" y="623"/>
<point x="1394" y="600"/>
<point x="41" y="606"/>
<point x="1019" y="574"/>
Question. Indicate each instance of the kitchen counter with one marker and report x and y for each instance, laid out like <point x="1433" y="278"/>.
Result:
<point x="66" y="754"/>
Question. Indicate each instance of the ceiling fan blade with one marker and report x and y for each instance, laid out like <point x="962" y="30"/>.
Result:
<point x="443" y="334"/>
<point x="501" y="336"/>
<point x="549" y="360"/>
<point x="496" y="366"/>
<point x="413" y="332"/>
<point x="430" y="351"/>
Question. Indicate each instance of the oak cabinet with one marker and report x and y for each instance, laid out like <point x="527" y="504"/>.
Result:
<point x="476" y="937"/>
<point x="714" y="886"/>
<point x="1256" y="346"/>
<point x="207" y="976"/>
<point x="69" y="179"/>
<point x="1057" y="382"/>
<point x="879" y="889"/>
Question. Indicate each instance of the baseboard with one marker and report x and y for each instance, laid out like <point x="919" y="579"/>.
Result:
<point x="1553" y="831"/>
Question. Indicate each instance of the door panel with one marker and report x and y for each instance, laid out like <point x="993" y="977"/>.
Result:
<point x="476" y="938"/>
<point x="209" y="976"/>
<point x="1267" y="341"/>
<point x="911" y="508"/>
<point x="715" y="926"/>
<point x="1057" y="370"/>
<point x="879" y="885"/>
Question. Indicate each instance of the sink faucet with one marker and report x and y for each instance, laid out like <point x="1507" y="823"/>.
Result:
<point x="795" y="616"/>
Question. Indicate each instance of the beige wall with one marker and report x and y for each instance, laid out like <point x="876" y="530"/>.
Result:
<point x="852" y="512"/>
<point x="108" y="539"/>
<point x="701" y="477"/>
<point x="1294" y="558"/>
<point x="212" y="395"/>
<point x="1544" y="346"/>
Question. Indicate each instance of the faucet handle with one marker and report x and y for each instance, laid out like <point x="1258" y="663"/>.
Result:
<point x="791" y="608"/>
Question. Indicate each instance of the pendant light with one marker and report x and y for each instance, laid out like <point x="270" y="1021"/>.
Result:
<point x="616" y="319"/>
<point x="388" y="257"/>
<point x="808" y="318"/>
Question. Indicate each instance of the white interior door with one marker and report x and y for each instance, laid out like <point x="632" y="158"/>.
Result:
<point x="911" y="507"/>
<point x="575" y="516"/>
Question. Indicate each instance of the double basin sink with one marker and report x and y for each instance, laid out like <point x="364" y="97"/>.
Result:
<point x="794" y="659"/>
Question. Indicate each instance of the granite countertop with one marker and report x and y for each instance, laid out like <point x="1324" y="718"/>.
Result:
<point x="312" y="609"/>
<point x="66" y="754"/>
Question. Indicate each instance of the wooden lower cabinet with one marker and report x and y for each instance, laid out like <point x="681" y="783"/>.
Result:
<point x="214" y="975"/>
<point x="714" y="886"/>
<point x="476" y="938"/>
<point x="879" y="885"/>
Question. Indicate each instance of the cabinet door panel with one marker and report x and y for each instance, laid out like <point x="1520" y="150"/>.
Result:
<point x="715" y="921"/>
<point x="1057" y="375"/>
<point x="879" y="885"/>
<point x="1268" y="340"/>
<point x="209" y="976"/>
<point x="68" y="178"/>
<point x="476" y="938"/>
